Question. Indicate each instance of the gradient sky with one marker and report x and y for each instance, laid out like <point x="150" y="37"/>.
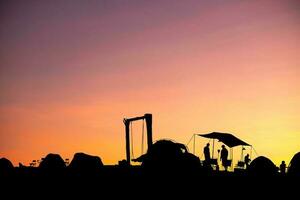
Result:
<point x="71" y="70"/>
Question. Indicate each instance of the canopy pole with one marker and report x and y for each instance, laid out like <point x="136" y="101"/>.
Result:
<point x="251" y="153"/>
<point x="231" y="157"/>
<point x="242" y="156"/>
<point x="213" y="149"/>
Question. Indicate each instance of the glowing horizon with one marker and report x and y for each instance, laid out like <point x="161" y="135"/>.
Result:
<point x="70" y="72"/>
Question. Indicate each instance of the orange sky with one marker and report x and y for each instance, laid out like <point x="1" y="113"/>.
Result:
<point x="71" y="70"/>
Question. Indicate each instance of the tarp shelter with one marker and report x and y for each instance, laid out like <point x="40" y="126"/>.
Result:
<point x="227" y="138"/>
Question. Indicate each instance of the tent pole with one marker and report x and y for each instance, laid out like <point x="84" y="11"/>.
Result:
<point x="194" y="145"/>
<point x="190" y="140"/>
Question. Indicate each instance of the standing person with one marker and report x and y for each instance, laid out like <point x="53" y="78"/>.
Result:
<point x="247" y="160"/>
<point x="207" y="154"/>
<point x="282" y="167"/>
<point x="223" y="158"/>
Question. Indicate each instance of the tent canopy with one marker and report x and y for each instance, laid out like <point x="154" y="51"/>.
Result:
<point x="227" y="138"/>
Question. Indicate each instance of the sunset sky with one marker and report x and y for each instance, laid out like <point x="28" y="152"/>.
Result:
<point x="71" y="70"/>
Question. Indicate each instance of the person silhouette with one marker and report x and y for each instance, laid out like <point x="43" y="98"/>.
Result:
<point x="207" y="154"/>
<point x="223" y="158"/>
<point x="282" y="167"/>
<point x="247" y="160"/>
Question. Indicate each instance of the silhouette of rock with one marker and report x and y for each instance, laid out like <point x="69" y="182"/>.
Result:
<point x="166" y="155"/>
<point x="52" y="162"/>
<point x="294" y="166"/>
<point x="6" y="167"/>
<point x="262" y="166"/>
<point x="85" y="162"/>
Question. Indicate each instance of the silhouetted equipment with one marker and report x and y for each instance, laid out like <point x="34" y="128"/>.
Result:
<point x="33" y="163"/>
<point x="52" y="162"/>
<point x="240" y="164"/>
<point x="67" y="161"/>
<point x="294" y="166"/>
<point x="166" y="156"/>
<point x="127" y="121"/>
<point x="262" y="166"/>
<point x="244" y="161"/>
<point x="21" y="165"/>
<point x="85" y="162"/>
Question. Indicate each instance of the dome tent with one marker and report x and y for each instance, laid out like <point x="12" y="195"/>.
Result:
<point x="6" y="166"/>
<point x="52" y="162"/>
<point x="85" y="162"/>
<point x="294" y="166"/>
<point x="262" y="166"/>
<point x="166" y="155"/>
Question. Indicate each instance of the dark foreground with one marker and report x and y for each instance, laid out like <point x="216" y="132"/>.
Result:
<point x="166" y="171"/>
<point x="134" y="182"/>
